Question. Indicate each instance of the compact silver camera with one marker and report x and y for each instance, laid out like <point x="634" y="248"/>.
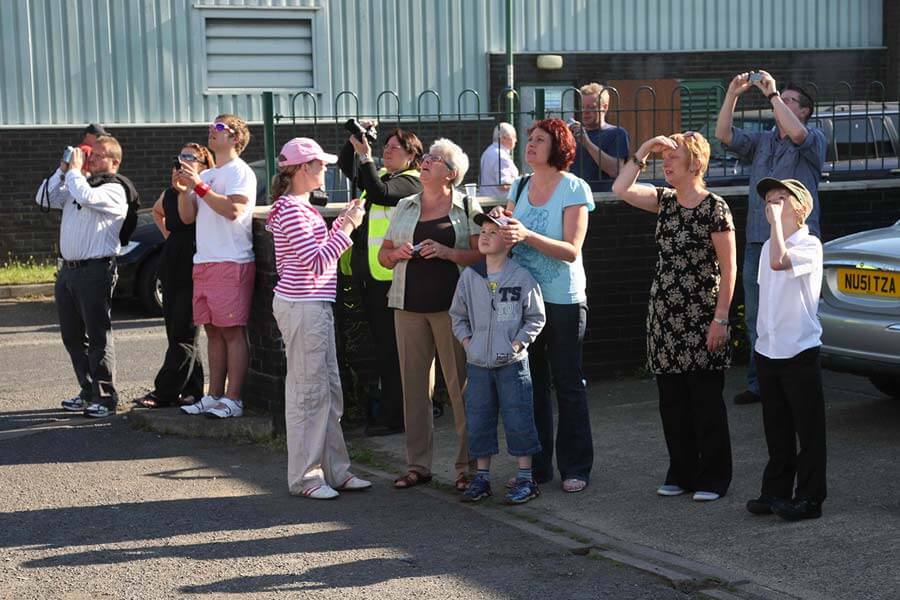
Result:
<point x="755" y="76"/>
<point x="67" y="154"/>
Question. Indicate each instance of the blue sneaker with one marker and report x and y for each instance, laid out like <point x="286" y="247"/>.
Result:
<point x="477" y="489"/>
<point x="523" y="491"/>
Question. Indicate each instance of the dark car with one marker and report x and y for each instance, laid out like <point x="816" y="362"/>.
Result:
<point x="139" y="259"/>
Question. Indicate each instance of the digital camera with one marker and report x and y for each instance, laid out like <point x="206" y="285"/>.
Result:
<point x="357" y="129"/>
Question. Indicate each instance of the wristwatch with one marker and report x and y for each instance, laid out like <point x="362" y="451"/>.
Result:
<point x="364" y="158"/>
<point x="772" y="95"/>
<point x="723" y="322"/>
<point x="642" y="164"/>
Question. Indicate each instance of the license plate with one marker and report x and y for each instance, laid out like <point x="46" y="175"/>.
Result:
<point x="869" y="282"/>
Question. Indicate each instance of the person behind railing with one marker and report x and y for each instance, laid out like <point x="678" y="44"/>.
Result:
<point x="687" y="319"/>
<point x="432" y="237"/>
<point x="180" y="379"/>
<point x="602" y="146"/>
<point x="794" y="150"/>
<point x="498" y="170"/>
<point x="381" y="190"/>
<point x="548" y="224"/>
<point x="306" y="257"/>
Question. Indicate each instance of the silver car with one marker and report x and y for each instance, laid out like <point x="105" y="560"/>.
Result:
<point x="860" y="307"/>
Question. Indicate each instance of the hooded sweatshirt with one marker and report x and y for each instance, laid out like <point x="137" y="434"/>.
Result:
<point x="495" y="318"/>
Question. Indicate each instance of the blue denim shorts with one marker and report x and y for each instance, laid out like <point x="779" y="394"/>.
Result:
<point x="502" y="391"/>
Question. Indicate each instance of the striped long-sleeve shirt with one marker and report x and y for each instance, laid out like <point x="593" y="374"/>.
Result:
<point x="306" y="251"/>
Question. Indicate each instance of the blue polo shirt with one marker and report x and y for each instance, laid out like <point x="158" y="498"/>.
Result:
<point x="770" y="155"/>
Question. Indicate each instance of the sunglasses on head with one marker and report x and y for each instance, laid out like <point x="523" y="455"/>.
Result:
<point x="221" y="127"/>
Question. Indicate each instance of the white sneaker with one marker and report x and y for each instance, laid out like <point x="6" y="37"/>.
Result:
<point x="320" y="492"/>
<point x="354" y="484"/>
<point x="76" y="404"/>
<point x="225" y="409"/>
<point x="200" y="406"/>
<point x="705" y="496"/>
<point x="670" y="490"/>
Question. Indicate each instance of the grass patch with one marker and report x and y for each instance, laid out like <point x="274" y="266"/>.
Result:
<point x="15" y="271"/>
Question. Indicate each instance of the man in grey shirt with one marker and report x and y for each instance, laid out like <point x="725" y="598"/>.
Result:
<point x="93" y="211"/>
<point x="792" y="150"/>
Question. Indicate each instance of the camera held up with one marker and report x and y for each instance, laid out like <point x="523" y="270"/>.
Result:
<point x="357" y="129"/>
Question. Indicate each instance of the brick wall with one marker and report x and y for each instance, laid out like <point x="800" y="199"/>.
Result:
<point x="619" y="259"/>
<point x="29" y="155"/>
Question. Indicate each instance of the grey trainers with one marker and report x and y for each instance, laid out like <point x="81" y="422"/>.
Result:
<point x="75" y="404"/>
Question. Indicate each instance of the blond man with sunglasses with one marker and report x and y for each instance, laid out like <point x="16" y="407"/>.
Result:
<point x="221" y="201"/>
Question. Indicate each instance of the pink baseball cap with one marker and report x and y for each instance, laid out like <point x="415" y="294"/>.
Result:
<point x="302" y="150"/>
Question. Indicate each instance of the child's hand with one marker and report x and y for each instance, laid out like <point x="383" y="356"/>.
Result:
<point x="466" y="342"/>
<point x="773" y="210"/>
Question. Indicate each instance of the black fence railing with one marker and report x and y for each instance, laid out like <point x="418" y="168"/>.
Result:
<point x="861" y="126"/>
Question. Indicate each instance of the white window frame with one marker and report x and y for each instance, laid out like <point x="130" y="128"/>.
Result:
<point x="313" y="13"/>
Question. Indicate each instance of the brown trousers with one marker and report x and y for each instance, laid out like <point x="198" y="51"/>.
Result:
<point x="418" y="336"/>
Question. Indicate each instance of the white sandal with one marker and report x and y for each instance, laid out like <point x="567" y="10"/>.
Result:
<point x="200" y="406"/>
<point x="226" y="408"/>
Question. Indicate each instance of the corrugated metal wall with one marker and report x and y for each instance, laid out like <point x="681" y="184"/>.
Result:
<point x="141" y="61"/>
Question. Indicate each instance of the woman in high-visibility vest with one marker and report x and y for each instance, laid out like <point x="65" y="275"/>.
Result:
<point x="381" y="189"/>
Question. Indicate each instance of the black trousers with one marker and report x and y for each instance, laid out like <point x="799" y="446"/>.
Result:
<point x="181" y="373"/>
<point x="381" y="325"/>
<point x="83" y="296"/>
<point x="695" y="424"/>
<point x="793" y="410"/>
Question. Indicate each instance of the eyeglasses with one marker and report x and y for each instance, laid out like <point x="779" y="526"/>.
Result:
<point x="98" y="155"/>
<point x="220" y="127"/>
<point x="437" y="158"/>
<point x="188" y="157"/>
<point x="393" y="147"/>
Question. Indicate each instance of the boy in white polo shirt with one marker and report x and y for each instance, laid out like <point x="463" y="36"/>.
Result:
<point x="787" y="356"/>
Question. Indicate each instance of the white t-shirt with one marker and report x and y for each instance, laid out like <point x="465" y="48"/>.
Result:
<point x="787" y="323"/>
<point x="219" y="239"/>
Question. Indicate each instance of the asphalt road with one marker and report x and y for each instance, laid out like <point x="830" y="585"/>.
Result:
<point x="99" y="510"/>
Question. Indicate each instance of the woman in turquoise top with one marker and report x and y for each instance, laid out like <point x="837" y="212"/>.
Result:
<point x="549" y="211"/>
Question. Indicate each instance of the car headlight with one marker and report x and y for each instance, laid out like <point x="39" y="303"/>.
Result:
<point x="128" y="247"/>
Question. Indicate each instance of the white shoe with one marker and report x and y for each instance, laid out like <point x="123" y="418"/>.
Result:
<point x="706" y="496"/>
<point x="670" y="490"/>
<point x="354" y="484"/>
<point x="200" y="406"/>
<point x="225" y="409"/>
<point x="320" y="492"/>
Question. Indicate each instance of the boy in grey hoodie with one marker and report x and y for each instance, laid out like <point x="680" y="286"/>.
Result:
<point x="497" y="311"/>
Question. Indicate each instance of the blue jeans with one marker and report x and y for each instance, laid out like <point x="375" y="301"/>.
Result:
<point x="751" y="306"/>
<point x="507" y="391"/>
<point x="556" y="355"/>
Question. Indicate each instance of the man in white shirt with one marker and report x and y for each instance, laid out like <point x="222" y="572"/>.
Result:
<point x="221" y="201"/>
<point x="498" y="170"/>
<point x="787" y="356"/>
<point x="93" y="211"/>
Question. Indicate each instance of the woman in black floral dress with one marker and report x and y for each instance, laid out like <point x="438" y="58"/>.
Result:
<point x="687" y="319"/>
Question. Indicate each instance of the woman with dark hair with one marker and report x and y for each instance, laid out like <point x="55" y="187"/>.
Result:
<point x="306" y="257"/>
<point x="180" y="379"/>
<point x="381" y="189"/>
<point x="548" y="224"/>
<point x="687" y="317"/>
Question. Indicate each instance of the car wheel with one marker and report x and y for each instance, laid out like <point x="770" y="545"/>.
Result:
<point x="149" y="289"/>
<point x="886" y="385"/>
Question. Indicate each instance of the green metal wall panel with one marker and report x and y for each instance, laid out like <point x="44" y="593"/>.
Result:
<point x="143" y="61"/>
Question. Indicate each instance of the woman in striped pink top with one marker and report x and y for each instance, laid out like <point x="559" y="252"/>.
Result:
<point x="306" y="257"/>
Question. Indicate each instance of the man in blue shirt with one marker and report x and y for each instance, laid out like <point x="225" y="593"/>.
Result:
<point x="789" y="151"/>
<point x="602" y="147"/>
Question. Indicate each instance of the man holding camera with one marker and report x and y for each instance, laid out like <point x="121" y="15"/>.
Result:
<point x="792" y="150"/>
<point x="602" y="147"/>
<point x="93" y="211"/>
<point x="221" y="201"/>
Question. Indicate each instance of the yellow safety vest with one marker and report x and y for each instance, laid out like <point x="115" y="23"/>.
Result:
<point x="379" y="221"/>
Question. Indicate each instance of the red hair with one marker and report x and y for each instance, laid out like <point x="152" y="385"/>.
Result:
<point x="562" y="149"/>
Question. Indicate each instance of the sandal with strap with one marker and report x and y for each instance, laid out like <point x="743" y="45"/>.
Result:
<point x="411" y="479"/>
<point x="149" y="400"/>
<point x="462" y="482"/>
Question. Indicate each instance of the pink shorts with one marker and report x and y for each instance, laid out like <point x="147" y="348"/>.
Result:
<point x="223" y="292"/>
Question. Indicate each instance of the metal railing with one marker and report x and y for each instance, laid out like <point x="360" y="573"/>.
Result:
<point x="861" y="127"/>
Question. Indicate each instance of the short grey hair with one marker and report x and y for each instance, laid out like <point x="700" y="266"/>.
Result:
<point x="502" y="129"/>
<point x="454" y="155"/>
